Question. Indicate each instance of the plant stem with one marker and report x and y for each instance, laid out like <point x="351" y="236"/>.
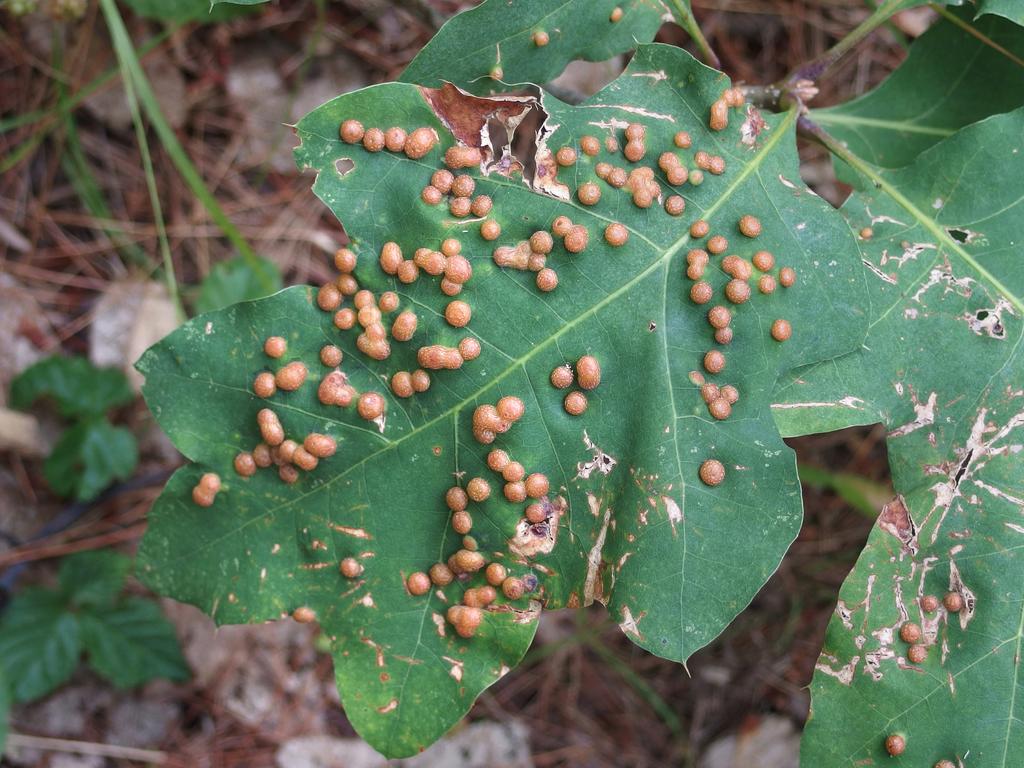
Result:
<point x="814" y="131"/>
<point x="128" y="75"/>
<point x="132" y="73"/>
<point x="973" y="32"/>
<point x="76" y="166"/>
<point x="813" y="70"/>
<point x="684" y="18"/>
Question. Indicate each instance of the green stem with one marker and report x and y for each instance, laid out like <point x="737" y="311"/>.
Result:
<point x="815" y="69"/>
<point x="973" y="32"/>
<point x="898" y="34"/>
<point x="132" y="73"/>
<point x="130" y="78"/>
<point x="840" y="150"/>
<point x="684" y="18"/>
<point x="76" y="166"/>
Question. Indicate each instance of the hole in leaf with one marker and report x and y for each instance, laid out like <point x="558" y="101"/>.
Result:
<point x="343" y="166"/>
<point x="960" y="235"/>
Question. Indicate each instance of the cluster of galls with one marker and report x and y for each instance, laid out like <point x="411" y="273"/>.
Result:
<point x="640" y="182"/>
<point x="466" y="562"/>
<point x="288" y="455"/>
<point x="718" y="120"/>
<point x="415" y="145"/>
<point x="448" y="263"/>
<point x="518" y="485"/>
<point x="532" y="254"/>
<point x="737" y="291"/>
<point x="910" y="632"/>
<point x="587" y="375"/>
<point x="917" y="653"/>
<point x="373" y="341"/>
<point x="334" y="388"/>
<point x="459" y="189"/>
<point x="205" y="491"/>
<point x="455" y="271"/>
<point x="489" y="421"/>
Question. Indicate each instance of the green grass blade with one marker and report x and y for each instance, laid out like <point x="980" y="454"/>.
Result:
<point x="75" y="99"/>
<point x="147" y="100"/>
<point x="131" y="77"/>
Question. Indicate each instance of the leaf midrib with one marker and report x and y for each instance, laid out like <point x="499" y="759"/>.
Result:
<point x="836" y="118"/>
<point x="942" y="237"/>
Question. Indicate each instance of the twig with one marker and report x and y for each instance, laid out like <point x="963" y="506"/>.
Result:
<point x="813" y="70"/>
<point x="47" y="744"/>
<point x="60" y="549"/>
<point x="70" y="514"/>
<point x="684" y="18"/>
<point x="973" y="32"/>
<point x="135" y="75"/>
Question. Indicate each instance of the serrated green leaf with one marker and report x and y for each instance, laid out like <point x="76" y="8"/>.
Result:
<point x="77" y="387"/>
<point x="950" y="79"/>
<point x="637" y="530"/>
<point x="132" y="643"/>
<point x="238" y="279"/>
<point x="88" y="457"/>
<point x="39" y="643"/>
<point x="942" y="367"/>
<point x="181" y="11"/>
<point x="498" y="37"/>
<point x="93" y="578"/>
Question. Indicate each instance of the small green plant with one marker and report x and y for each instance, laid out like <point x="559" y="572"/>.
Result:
<point x="235" y="280"/>
<point x="91" y="453"/>
<point x="45" y="631"/>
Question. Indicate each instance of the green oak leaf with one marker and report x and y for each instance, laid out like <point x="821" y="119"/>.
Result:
<point x="76" y="386"/>
<point x="943" y="368"/>
<point x="181" y="11"/>
<point x="132" y="643"/>
<point x="498" y="37"/>
<point x="630" y="523"/>
<point x="238" y="279"/>
<point x="88" y="457"/>
<point x="93" y="578"/>
<point x="40" y="643"/>
<point x="951" y="78"/>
